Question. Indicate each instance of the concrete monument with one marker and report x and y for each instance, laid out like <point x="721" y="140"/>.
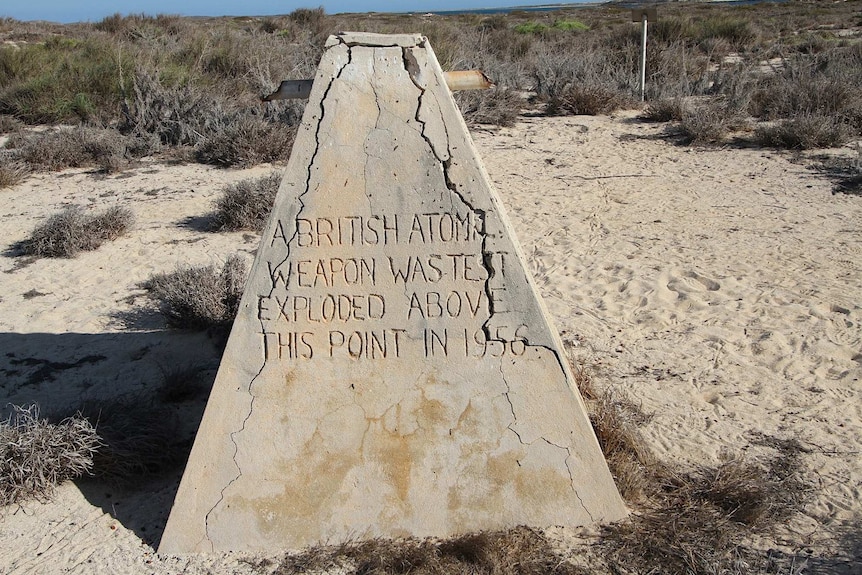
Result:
<point x="392" y="370"/>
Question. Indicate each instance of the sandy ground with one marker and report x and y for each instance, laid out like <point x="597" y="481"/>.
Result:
<point x="720" y="289"/>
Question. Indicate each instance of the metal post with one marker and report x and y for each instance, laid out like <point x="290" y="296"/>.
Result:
<point x="643" y="56"/>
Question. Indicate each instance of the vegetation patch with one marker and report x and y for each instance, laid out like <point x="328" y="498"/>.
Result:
<point x="804" y="132"/>
<point x="246" y="204"/>
<point x="518" y="551"/>
<point x="496" y="106"/>
<point x="36" y="455"/>
<point x="67" y="233"/>
<point x="138" y="437"/>
<point x="12" y="171"/>
<point x="80" y="147"/>
<point x="200" y="297"/>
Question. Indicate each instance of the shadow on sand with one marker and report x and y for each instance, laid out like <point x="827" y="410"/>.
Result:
<point x="145" y="391"/>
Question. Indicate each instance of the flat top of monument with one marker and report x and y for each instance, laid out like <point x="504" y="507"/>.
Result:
<point x="375" y="40"/>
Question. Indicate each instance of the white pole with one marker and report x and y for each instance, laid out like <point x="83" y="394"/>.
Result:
<point x="643" y="57"/>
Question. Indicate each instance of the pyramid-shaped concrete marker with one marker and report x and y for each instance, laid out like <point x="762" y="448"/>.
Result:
<point x="392" y="370"/>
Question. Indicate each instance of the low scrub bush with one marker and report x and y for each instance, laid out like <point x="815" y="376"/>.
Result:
<point x="62" y="79"/>
<point x="10" y="124"/>
<point x="541" y="28"/>
<point x="137" y="438"/>
<point x="739" y="32"/>
<point x="496" y="106"/>
<point x="246" y="204"/>
<point x="245" y="139"/>
<point x="73" y="230"/>
<point x="36" y="455"/>
<point x="710" y="122"/>
<point x="805" y="132"/>
<point x="818" y="97"/>
<point x="199" y="297"/>
<point x="12" y="171"/>
<point x="665" y="110"/>
<point x="79" y="147"/>
<point x="587" y="99"/>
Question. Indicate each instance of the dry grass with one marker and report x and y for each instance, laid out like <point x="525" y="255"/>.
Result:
<point x="699" y="522"/>
<point x="666" y="110"/>
<point x="38" y="455"/>
<point x="246" y="204"/>
<point x="10" y="124"/>
<point x="517" y="551"/>
<point x="805" y="132"/>
<point x="67" y="233"/>
<point x="12" y="171"/>
<point x="688" y="522"/>
<point x="588" y="99"/>
<point x="199" y="297"/>
<point x="496" y="107"/>
<point x="80" y="147"/>
<point x="137" y="438"/>
<point x="246" y="139"/>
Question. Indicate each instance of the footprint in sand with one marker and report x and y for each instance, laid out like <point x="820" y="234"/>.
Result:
<point x="691" y="282"/>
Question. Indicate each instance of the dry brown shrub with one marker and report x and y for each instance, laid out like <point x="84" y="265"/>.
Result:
<point x="246" y="204"/>
<point x="710" y="122"/>
<point x="199" y="297"/>
<point x="665" y="110"/>
<point x="699" y="522"/>
<point x="36" y="455"/>
<point x="10" y="124"/>
<point x="615" y="421"/>
<point x="73" y="230"/>
<point x="692" y="522"/>
<point x="79" y="147"/>
<point x="588" y="99"/>
<point x="517" y="551"/>
<point x="12" y="171"/>
<point x="246" y="139"/>
<point x="497" y="106"/>
<point x="138" y="438"/>
<point x="805" y="132"/>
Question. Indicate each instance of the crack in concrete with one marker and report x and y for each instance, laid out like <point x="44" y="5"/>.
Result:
<point x="568" y="450"/>
<point x="411" y="66"/>
<point x="234" y="434"/>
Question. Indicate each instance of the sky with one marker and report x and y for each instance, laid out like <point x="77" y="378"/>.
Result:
<point x="94" y="10"/>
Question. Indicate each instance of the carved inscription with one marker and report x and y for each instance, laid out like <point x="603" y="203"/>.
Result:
<point x="391" y="286"/>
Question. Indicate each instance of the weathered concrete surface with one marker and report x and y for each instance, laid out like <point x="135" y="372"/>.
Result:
<point x="392" y="371"/>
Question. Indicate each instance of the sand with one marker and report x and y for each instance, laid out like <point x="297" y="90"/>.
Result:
<point x="719" y="288"/>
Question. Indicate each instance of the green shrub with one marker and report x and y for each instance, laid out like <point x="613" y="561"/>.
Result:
<point x="737" y="31"/>
<point x="62" y="79"/>
<point x="199" y="297"/>
<point x="570" y="25"/>
<point x="246" y="204"/>
<point x="72" y="231"/>
<point x="531" y="28"/>
<point x="36" y="456"/>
